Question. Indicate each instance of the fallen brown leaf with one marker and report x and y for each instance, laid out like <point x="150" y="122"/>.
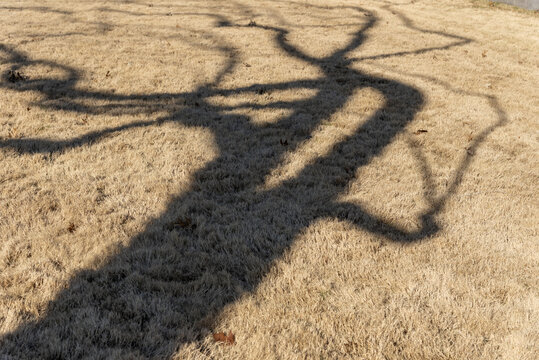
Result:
<point x="221" y="337"/>
<point x="182" y="222"/>
<point x="71" y="228"/>
<point x="15" y="76"/>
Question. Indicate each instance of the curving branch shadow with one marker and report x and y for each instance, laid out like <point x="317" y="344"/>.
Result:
<point x="437" y="203"/>
<point x="165" y="288"/>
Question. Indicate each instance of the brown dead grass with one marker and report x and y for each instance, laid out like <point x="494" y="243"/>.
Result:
<point x="174" y="170"/>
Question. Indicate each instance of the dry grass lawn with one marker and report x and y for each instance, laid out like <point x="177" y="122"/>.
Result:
<point x="325" y="179"/>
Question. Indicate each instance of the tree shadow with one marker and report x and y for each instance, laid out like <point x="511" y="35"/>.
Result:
<point x="218" y="240"/>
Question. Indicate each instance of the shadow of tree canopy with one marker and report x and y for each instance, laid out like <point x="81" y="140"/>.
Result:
<point x="235" y="229"/>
